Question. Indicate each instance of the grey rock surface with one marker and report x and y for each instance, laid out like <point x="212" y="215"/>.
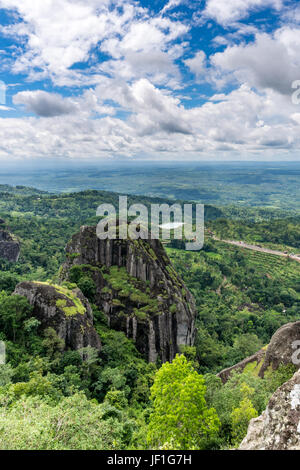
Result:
<point x="56" y="309"/>
<point x="163" y="329"/>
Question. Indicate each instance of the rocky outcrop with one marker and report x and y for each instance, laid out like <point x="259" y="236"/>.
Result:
<point x="67" y="311"/>
<point x="282" y="347"/>
<point x="138" y="290"/>
<point x="282" y="350"/>
<point x="257" y="358"/>
<point x="9" y="245"/>
<point x="278" y="428"/>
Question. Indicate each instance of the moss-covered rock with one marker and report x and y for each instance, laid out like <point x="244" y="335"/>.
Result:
<point x="137" y="288"/>
<point x="66" y="310"/>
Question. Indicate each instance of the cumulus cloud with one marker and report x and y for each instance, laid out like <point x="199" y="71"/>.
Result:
<point x="45" y="104"/>
<point x="291" y="15"/>
<point x="243" y="122"/>
<point x="228" y="11"/>
<point x="61" y="33"/>
<point x="151" y="110"/>
<point x="145" y="51"/>
<point x="49" y="105"/>
<point x="58" y="34"/>
<point x="126" y="97"/>
<point x="270" y="62"/>
<point x="197" y="64"/>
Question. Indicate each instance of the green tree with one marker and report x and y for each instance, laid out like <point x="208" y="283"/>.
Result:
<point x="180" y="414"/>
<point x="73" y="423"/>
<point x="6" y="374"/>
<point x="14" y="310"/>
<point x="52" y="343"/>
<point x="242" y="415"/>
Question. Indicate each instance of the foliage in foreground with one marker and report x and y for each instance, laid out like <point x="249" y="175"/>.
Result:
<point x="73" y="423"/>
<point x="51" y="399"/>
<point x="180" y="415"/>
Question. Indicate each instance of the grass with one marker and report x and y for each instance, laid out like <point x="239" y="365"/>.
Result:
<point x="76" y="308"/>
<point x="129" y="287"/>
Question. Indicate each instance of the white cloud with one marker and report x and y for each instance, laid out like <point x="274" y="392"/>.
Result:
<point x="242" y="122"/>
<point x="58" y="34"/>
<point x="291" y="14"/>
<point x="45" y="104"/>
<point x="146" y="50"/>
<point x="170" y="5"/>
<point x="228" y="11"/>
<point x="152" y="111"/>
<point x="49" y="105"/>
<point x="197" y="64"/>
<point x="131" y="108"/>
<point x="271" y="62"/>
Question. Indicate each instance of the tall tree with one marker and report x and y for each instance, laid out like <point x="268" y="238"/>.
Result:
<point x="180" y="418"/>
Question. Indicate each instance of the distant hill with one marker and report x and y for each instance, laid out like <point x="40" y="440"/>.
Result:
<point x="21" y="190"/>
<point x="32" y="201"/>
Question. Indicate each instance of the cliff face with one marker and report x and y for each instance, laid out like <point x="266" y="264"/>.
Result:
<point x="278" y="428"/>
<point x="67" y="311"/>
<point x="137" y="288"/>
<point x="9" y="246"/>
<point x="281" y="350"/>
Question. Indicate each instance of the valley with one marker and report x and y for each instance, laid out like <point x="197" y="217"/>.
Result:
<point x="236" y="295"/>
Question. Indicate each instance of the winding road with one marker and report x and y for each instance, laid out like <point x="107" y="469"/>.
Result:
<point x="259" y="248"/>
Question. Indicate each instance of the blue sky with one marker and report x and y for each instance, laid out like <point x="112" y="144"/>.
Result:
<point x="178" y="80"/>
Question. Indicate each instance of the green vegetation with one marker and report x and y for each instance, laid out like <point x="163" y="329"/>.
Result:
<point x="180" y="418"/>
<point x="75" y="422"/>
<point x="76" y="308"/>
<point x="242" y="398"/>
<point x="242" y="298"/>
<point x="52" y="399"/>
<point x="280" y="234"/>
<point x="127" y="286"/>
<point x="270" y="187"/>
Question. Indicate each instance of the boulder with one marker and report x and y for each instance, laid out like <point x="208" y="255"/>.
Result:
<point x="67" y="311"/>
<point x="282" y="350"/>
<point x="278" y="428"/>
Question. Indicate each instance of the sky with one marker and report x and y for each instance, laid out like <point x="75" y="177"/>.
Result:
<point x="150" y="80"/>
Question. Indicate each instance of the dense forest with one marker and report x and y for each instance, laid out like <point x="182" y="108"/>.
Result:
<point x="53" y="399"/>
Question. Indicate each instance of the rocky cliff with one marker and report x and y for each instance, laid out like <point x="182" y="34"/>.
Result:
<point x="9" y="245"/>
<point x="137" y="288"/>
<point x="282" y="349"/>
<point x="67" y="311"/>
<point x="278" y="428"/>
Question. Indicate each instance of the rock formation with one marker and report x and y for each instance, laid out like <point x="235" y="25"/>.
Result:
<point x="67" y="311"/>
<point x="257" y="358"/>
<point x="281" y="350"/>
<point x="138" y="290"/>
<point x="278" y="428"/>
<point x="9" y="245"/>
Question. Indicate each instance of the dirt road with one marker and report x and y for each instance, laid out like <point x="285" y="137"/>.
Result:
<point x="259" y="248"/>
